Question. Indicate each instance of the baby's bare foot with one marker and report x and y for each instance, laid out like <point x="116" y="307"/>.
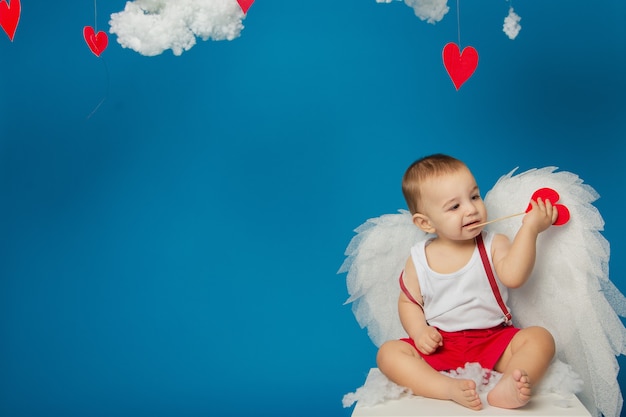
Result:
<point x="463" y="391"/>
<point x="512" y="391"/>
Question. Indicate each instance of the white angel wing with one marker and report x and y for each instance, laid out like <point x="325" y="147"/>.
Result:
<point x="569" y="292"/>
<point x="375" y="259"/>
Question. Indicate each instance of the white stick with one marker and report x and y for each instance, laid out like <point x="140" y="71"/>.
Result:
<point x="495" y="220"/>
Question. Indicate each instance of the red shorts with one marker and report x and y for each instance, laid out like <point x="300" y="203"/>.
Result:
<point x="484" y="346"/>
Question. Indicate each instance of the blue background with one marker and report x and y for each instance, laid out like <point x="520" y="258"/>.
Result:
<point x="176" y="252"/>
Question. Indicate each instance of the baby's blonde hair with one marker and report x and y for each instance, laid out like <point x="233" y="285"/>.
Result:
<point x="427" y="167"/>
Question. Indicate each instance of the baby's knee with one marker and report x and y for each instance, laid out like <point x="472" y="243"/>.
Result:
<point x="384" y="352"/>
<point x="389" y="351"/>
<point x="543" y="338"/>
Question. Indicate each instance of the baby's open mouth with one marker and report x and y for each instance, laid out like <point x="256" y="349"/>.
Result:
<point x="471" y="224"/>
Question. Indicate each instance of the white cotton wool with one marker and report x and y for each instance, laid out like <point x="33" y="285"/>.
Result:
<point x="150" y="27"/>
<point x="511" y="24"/>
<point x="431" y="11"/>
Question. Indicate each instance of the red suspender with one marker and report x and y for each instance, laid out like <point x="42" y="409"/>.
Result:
<point x="406" y="291"/>
<point x="492" y="279"/>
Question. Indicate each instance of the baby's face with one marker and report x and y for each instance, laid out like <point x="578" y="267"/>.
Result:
<point x="452" y="202"/>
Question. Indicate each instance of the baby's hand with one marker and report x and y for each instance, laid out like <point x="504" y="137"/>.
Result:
<point x="541" y="216"/>
<point x="429" y="340"/>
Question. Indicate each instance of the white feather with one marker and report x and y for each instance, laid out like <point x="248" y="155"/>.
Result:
<point x="375" y="259"/>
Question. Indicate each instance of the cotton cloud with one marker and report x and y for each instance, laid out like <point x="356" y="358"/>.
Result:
<point x="511" y="24"/>
<point x="431" y="11"/>
<point x="152" y="26"/>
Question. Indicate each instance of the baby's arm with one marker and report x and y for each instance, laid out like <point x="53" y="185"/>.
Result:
<point x="427" y="339"/>
<point x="514" y="261"/>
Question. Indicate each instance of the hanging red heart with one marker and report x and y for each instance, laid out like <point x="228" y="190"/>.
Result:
<point x="96" y="42"/>
<point x="10" y="16"/>
<point x="245" y="5"/>
<point x="460" y="65"/>
<point x="553" y="196"/>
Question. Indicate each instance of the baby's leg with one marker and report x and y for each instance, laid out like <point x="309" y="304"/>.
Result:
<point x="403" y="365"/>
<point x="523" y="364"/>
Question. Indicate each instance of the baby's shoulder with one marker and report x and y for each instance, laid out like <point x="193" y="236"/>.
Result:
<point x="499" y="243"/>
<point x="499" y="238"/>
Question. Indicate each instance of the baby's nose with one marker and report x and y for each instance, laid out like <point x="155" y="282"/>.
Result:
<point x="471" y="208"/>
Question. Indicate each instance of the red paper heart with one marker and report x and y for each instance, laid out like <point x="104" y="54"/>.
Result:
<point x="245" y="5"/>
<point x="550" y="194"/>
<point x="544" y="194"/>
<point x="460" y="65"/>
<point x="10" y="16"/>
<point x="563" y="216"/>
<point x="96" y="42"/>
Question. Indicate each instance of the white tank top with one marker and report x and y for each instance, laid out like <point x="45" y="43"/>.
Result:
<point x="462" y="300"/>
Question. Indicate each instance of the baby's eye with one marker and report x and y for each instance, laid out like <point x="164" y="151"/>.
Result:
<point x="454" y="207"/>
<point x="476" y="197"/>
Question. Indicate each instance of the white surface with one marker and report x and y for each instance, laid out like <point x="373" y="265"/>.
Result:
<point x="544" y="405"/>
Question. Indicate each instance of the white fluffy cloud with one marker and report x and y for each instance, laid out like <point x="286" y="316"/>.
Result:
<point x="152" y="26"/>
<point x="430" y="10"/>
<point x="511" y="24"/>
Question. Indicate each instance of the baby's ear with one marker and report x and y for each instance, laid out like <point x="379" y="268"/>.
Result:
<point x="423" y="222"/>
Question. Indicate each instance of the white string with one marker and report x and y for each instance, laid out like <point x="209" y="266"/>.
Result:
<point x="458" y="22"/>
<point x="106" y="68"/>
<point x="106" y="94"/>
<point x="95" y="16"/>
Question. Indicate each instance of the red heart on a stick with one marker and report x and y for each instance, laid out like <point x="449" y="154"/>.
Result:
<point x="96" y="42"/>
<point x="553" y="196"/>
<point x="9" y="16"/>
<point x="245" y="5"/>
<point x="460" y="65"/>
